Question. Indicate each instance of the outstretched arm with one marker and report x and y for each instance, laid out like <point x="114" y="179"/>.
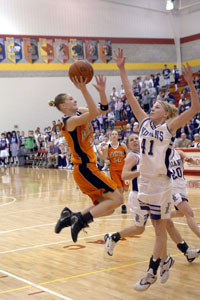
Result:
<point x="188" y="158"/>
<point x="101" y="88"/>
<point x="137" y="110"/>
<point x="127" y="173"/>
<point x="186" y="116"/>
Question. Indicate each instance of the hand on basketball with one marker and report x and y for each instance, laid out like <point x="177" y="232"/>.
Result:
<point x="80" y="84"/>
<point x="119" y="58"/>
<point x="187" y="73"/>
<point x="100" y="83"/>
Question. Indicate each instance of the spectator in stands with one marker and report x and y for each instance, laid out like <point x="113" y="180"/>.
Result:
<point x="114" y="94"/>
<point x="176" y="75"/>
<point x="166" y="75"/>
<point x="105" y="121"/>
<point x="111" y="120"/>
<point x="62" y="157"/>
<point x="8" y="136"/>
<point x="146" y="100"/>
<point x="156" y="82"/>
<point x="196" y="141"/>
<point x="188" y="131"/>
<point x="128" y="131"/>
<point x="14" y="146"/>
<point x="54" y="125"/>
<point x="122" y="93"/>
<point x="183" y="141"/>
<point x="169" y="97"/>
<point x="128" y="111"/>
<point x="53" y="152"/>
<point x="118" y="105"/>
<point x="136" y="128"/>
<point x="4" y="145"/>
<point x="160" y="96"/>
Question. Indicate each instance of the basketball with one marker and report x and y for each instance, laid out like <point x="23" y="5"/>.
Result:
<point x="81" y="68"/>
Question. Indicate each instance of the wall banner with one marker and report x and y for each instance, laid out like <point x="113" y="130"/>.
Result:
<point x="61" y="50"/>
<point x="2" y="49"/>
<point x="46" y="50"/>
<point x="76" y="49"/>
<point x="31" y="50"/>
<point x="105" y="50"/>
<point x="91" y="50"/>
<point x="14" y="49"/>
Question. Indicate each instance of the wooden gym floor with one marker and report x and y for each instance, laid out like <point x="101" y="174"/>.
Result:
<point x="37" y="264"/>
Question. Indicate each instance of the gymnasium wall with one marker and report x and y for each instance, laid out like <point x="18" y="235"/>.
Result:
<point x="25" y="93"/>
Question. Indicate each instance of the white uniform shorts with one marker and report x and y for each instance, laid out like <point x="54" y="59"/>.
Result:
<point x="140" y="216"/>
<point x="155" y="195"/>
<point x="178" y="198"/>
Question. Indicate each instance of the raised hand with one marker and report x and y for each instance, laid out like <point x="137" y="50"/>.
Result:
<point x="119" y="58"/>
<point x="187" y="73"/>
<point x="79" y="84"/>
<point x="100" y="83"/>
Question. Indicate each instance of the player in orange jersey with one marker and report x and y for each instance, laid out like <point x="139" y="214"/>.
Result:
<point x="116" y="152"/>
<point x="91" y="181"/>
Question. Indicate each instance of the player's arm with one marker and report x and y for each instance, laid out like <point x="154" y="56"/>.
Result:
<point x="85" y="117"/>
<point x="130" y="161"/>
<point x="187" y="115"/>
<point x="125" y="148"/>
<point x="100" y="86"/>
<point x="137" y="110"/>
<point x="104" y="151"/>
<point x="188" y="158"/>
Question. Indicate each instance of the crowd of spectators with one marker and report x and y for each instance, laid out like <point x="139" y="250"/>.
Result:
<point x="49" y="148"/>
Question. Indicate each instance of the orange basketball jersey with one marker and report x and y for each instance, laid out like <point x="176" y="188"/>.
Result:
<point x="80" y="141"/>
<point x="116" y="156"/>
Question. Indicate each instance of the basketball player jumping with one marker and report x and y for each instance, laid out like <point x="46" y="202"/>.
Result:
<point x="155" y="187"/>
<point x="78" y="132"/>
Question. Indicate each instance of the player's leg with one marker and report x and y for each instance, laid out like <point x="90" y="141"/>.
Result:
<point x="185" y="208"/>
<point x="159" y="215"/>
<point x="190" y="253"/>
<point x="140" y="219"/>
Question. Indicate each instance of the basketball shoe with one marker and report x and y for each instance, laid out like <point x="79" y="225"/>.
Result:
<point x="164" y="269"/>
<point x="110" y="244"/>
<point x="146" y="281"/>
<point x="191" y="254"/>
<point x="64" y="220"/>
<point x="77" y="224"/>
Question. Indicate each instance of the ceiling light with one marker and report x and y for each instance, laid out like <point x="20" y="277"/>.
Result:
<point x="169" y="5"/>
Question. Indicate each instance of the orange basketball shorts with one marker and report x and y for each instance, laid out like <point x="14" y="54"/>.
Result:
<point x="116" y="176"/>
<point x="92" y="181"/>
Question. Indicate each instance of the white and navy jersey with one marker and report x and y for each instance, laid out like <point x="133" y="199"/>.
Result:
<point x="176" y="166"/>
<point x="3" y="144"/>
<point x="155" y="149"/>
<point x="135" y="168"/>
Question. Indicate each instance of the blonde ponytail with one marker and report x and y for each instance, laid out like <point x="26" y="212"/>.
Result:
<point x="51" y="103"/>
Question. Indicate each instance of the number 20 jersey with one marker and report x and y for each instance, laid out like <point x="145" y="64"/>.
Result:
<point x="176" y="166"/>
<point x="155" y="149"/>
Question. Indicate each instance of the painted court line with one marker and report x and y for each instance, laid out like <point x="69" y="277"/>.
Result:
<point x="34" y="285"/>
<point x="24" y="228"/>
<point x="49" y="244"/>
<point x="54" y="243"/>
<point x="84" y="275"/>
<point x="8" y="203"/>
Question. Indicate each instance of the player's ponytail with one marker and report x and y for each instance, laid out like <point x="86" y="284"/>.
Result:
<point x="170" y="108"/>
<point x="58" y="100"/>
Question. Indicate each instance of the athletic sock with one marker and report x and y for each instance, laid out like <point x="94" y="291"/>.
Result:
<point x="87" y="218"/>
<point x="154" y="264"/>
<point x="116" y="237"/>
<point x="183" y="246"/>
